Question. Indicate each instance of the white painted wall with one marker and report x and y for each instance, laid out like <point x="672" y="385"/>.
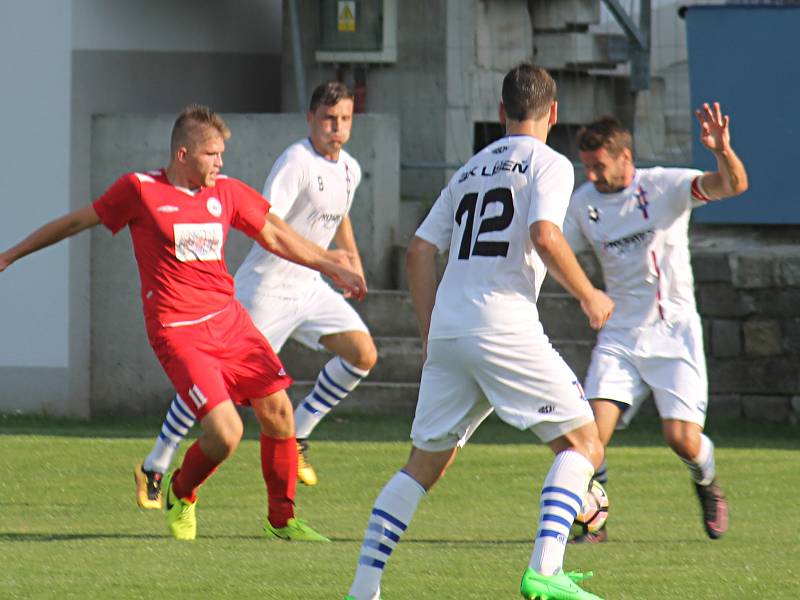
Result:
<point x="34" y="178"/>
<point x="177" y="25"/>
<point x="45" y="317"/>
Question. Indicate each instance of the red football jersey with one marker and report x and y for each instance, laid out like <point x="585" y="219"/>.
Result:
<point x="178" y="239"/>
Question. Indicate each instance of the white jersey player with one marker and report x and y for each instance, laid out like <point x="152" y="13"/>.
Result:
<point x="636" y="221"/>
<point x="500" y="218"/>
<point x="311" y="187"/>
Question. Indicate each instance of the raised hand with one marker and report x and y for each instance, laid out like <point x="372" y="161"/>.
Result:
<point x="714" y="132"/>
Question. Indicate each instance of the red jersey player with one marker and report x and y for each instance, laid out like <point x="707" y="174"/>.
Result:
<point x="215" y="357"/>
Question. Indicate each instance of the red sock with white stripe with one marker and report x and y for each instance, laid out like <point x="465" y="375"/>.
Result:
<point x="196" y="468"/>
<point x="279" y="468"/>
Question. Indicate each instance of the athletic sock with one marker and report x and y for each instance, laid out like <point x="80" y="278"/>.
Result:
<point x="562" y="495"/>
<point x="337" y="379"/>
<point x="279" y="468"/>
<point x="703" y="467"/>
<point x="392" y="512"/>
<point x="601" y="474"/>
<point x="176" y="425"/>
<point x="196" y="468"/>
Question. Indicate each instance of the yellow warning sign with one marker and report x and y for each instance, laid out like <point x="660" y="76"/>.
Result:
<point x="346" y="12"/>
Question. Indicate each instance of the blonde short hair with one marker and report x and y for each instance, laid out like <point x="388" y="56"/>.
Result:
<point x="192" y="125"/>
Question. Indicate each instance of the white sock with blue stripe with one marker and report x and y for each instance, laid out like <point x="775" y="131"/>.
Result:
<point x="176" y="425"/>
<point x="703" y="468"/>
<point x="562" y="496"/>
<point x="392" y="512"/>
<point x="337" y="379"/>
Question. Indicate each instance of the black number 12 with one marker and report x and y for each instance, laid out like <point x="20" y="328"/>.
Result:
<point x="468" y="205"/>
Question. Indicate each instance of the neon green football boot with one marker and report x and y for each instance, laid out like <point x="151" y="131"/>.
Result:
<point x="560" y="586"/>
<point x="181" y="516"/>
<point x="296" y="530"/>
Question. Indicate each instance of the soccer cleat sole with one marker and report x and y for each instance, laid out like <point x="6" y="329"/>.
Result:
<point x="143" y="500"/>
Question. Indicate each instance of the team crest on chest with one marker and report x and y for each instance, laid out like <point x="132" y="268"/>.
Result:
<point x="593" y="213"/>
<point x="214" y="206"/>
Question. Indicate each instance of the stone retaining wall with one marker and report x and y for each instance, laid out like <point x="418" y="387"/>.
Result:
<point x="749" y="297"/>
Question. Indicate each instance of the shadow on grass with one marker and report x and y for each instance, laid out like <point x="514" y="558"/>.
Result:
<point x="19" y="537"/>
<point x="645" y="431"/>
<point x="68" y="537"/>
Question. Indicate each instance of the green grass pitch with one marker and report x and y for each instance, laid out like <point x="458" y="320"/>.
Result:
<point x="69" y="526"/>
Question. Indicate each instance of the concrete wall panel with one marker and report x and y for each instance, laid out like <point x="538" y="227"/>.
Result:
<point x="126" y="378"/>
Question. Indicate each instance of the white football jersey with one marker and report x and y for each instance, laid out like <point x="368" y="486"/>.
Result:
<point x="483" y="217"/>
<point x="641" y="238"/>
<point x="312" y="194"/>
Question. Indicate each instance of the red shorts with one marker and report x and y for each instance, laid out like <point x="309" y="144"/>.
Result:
<point x="222" y="358"/>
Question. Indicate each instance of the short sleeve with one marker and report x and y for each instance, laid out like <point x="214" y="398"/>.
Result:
<point x="437" y="228"/>
<point x="550" y="190"/>
<point x="572" y="230"/>
<point x="283" y="185"/>
<point x="249" y="209"/>
<point x="119" y="204"/>
<point x="679" y="185"/>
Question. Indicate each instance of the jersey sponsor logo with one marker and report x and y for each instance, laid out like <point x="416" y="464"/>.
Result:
<point x="629" y="243"/>
<point x="500" y="150"/>
<point x="168" y="208"/>
<point x="547" y="409"/>
<point x="498" y="167"/>
<point x="641" y="201"/>
<point x="214" y="206"/>
<point x="593" y="213"/>
<point x="198" y="241"/>
<point x="328" y="220"/>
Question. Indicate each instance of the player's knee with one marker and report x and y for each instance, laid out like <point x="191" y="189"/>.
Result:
<point x="367" y="357"/>
<point x="221" y="442"/>
<point x="364" y="355"/>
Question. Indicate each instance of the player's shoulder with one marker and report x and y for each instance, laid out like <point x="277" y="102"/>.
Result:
<point x="583" y="193"/>
<point x="539" y="156"/>
<point x="227" y="184"/>
<point x="145" y="177"/>
<point x="297" y="153"/>
<point x="668" y="178"/>
<point x="350" y="161"/>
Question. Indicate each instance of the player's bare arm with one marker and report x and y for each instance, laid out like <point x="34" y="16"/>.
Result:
<point x="49" y="234"/>
<point x="345" y="240"/>
<point x="730" y="179"/>
<point x="421" y="274"/>
<point x="556" y="254"/>
<point x="280" y="239"/>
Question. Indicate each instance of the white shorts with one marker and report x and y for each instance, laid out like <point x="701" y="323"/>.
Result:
<point x="305" y="315"/>
<point x="666" y="358"/>
<point x="518" y="374"/>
